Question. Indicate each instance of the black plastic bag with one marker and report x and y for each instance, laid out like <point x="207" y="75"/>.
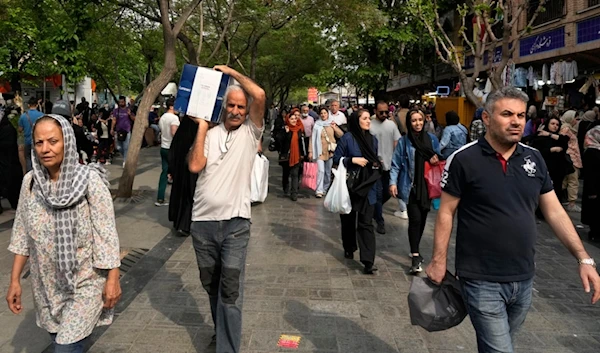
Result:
<point x="433" y="307"/>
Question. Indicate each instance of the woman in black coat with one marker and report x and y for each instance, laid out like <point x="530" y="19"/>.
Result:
<point x="292" y="152"/>
<point x="184" y="182"/>
<point x="553" y="148"/>
<point x="11" y="172"/>
<point x="590" y="204"/>
<point x="588" y="121"/>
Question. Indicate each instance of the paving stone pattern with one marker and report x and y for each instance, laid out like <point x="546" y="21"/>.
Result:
<point x="299" y="283"/>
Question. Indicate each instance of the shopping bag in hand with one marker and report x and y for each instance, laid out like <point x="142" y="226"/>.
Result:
<point x="433" y="307"/>
<point x="309" y="175"/>
<point x="259" y="186"/>
<point x="433" y="177"/>
<point x="338" y="197"/>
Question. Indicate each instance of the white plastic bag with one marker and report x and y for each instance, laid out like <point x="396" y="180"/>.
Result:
<point x="259" y="187"/>
<point x="338" y="197"/>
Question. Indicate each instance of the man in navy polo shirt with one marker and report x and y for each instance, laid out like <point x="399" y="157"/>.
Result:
<point x="496" y="184"/>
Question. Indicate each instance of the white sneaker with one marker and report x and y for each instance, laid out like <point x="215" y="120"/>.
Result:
<point x="401" y="214"/>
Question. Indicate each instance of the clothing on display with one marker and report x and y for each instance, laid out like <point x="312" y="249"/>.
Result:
<point x="545" y="73"/>
<point x="570" y="70"/>
<point x="520" y="77"/>
<point x="591" y="81"/>
<point x="488" y="86"/>
<point x="531" y="76"/>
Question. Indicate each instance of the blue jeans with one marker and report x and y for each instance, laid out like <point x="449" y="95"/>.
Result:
<point x="77" y="347"/>
<point x="383" y="195"/>
<point x="220" y="248"/>
<point x="324" y="175"/>
<point x="123" y="146"/>
<point x="497" y="311"/>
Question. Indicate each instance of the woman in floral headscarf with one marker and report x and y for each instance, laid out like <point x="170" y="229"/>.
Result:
<point x="591" y="183"/>
<point x="65" y="227"/>
<point x="571" y="182"/>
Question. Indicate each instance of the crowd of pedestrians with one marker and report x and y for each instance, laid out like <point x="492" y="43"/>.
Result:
<point x="386" y="150"/>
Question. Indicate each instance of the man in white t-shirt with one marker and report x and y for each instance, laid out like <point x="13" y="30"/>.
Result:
<point x="168" y="124"/>
<point x="223" y="158"/>
<point x="336" y="114"/>
<point x="387" y="135"/>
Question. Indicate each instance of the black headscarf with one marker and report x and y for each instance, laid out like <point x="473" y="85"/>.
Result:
<point x="423" y="153"/>
<point x="369" y="174"/>
<point x="363" y="138"/>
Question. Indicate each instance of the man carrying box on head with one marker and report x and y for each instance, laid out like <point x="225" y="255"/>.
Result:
<point x="223" y="157"/>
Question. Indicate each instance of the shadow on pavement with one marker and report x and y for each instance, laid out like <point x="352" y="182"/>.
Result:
<point x="329" y="332"/>
<point x="181" y="308"/>
<point x="23" y="342"/>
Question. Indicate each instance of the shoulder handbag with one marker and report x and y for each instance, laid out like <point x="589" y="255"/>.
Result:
<point x="569" y="168"/>
<point x="122" y="134"/>
<point x="331" y="146"/>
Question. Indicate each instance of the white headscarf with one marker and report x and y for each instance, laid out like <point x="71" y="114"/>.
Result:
<point x="567" y="119"/>
<point x="317" y="146"/>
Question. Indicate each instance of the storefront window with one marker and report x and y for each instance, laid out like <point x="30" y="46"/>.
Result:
<point x="553" y="9"/>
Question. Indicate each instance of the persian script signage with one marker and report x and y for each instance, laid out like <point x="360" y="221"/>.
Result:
<point x="542" y="42"/>
<point x="588" y="30"/>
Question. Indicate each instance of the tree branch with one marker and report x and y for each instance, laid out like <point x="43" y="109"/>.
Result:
<point x="223" y="32"/>
<point x="185" y="15"/>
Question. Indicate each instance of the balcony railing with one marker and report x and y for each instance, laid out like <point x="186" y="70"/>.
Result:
<point x="553" y="9"/>
<point x="593" y="3"/>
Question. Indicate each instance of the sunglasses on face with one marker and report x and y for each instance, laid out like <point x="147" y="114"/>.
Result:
<point x="384" y="112"/>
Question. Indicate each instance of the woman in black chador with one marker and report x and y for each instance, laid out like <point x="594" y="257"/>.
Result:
<point x="11" y="172"/>
<point x="184" y="182"/>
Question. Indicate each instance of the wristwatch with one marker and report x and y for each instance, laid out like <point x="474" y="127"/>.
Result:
<point x="589" y="261"/>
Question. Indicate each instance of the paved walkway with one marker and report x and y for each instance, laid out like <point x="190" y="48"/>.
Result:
<point x="298" y="283"/>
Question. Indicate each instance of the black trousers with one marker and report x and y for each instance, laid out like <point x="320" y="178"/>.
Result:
<point x="359" y="225"/>
<point x="294" y="172"/>
<point x="417" y="218"/>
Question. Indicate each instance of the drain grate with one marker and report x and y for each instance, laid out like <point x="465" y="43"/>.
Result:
<point x="129" y="257"/>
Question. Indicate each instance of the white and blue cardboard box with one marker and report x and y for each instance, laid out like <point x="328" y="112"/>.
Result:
<point x="201" y="92"/>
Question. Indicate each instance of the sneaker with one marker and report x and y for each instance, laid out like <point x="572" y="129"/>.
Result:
<point x="319" y="195"/>
<point x="294" y="197"/>
<point x="401" y="214"/>
<point x="573" y="208"/>
<point x="380" y="228"/>
<point x="108" y="162"/>
<point x="161" y="203"/>
<point x="416" y="265"/>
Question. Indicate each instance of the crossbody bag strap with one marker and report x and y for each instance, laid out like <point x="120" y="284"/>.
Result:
<point x="28" y="118"/>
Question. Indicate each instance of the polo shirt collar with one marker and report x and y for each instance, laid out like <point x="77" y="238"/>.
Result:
<point x="487" y="148"/>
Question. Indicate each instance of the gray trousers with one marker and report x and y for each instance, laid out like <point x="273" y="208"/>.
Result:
<point x="220" y="248"/>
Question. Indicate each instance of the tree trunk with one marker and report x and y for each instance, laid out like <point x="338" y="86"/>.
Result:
<point x="467" y="85"/>
<point x="141" y="121"/>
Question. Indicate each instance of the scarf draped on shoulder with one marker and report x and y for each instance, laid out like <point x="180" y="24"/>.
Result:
<point x="62" y="197"/>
